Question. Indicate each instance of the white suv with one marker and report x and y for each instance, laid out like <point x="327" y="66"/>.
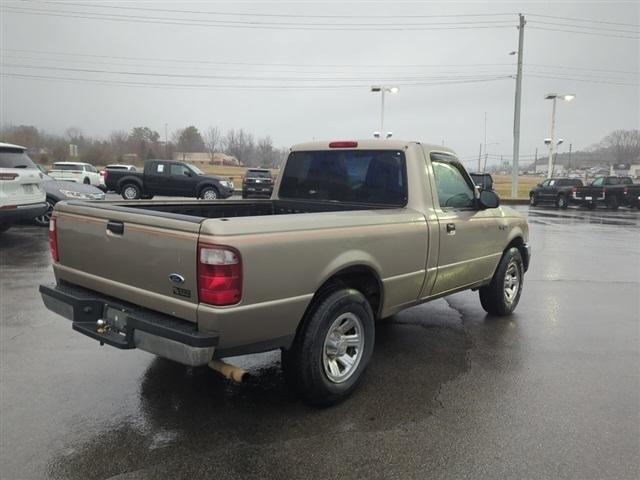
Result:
<point x="76" y="172"/>
<point x="21" y="195"/>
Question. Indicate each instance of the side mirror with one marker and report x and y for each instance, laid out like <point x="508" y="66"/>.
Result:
<point x="489" y="199"/>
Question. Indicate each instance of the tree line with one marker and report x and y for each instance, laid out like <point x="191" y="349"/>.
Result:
<point x="145" y="143"/>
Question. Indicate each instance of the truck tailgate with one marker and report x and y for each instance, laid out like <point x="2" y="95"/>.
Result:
<point x="147" y="258"/>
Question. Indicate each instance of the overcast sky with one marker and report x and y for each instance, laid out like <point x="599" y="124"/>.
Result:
<point x="201" y="68"/>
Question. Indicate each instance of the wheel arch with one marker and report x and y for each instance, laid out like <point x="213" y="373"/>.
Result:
<point x="125" y="180"/>
<point x="206" y="184"/>
<point x="518" y="242"/>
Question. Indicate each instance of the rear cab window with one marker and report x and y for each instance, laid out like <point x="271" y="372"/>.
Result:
<point x="353" y="176"/>
<point x="67" y="166"/>
<point x="258" y="174"/>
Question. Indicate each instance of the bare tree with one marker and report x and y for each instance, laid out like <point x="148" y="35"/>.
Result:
<point x="623" y="145"/>
<point x="213" y="140"/>
<point x="118" y="140"/>
<point x="74" y="134"/>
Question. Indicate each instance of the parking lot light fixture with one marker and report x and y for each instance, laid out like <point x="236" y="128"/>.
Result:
<point x="567" y="97"/>
<point x="384" y="89"/>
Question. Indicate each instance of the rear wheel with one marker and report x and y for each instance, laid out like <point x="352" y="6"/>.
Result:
<point x="86" y="181"/>
<point x="502" y="295"/>
<point x="209" y="193"/>
<point x="332" y="348"/>
<point x="612" y="203"/>
<point x="561" y="202"/>
<point x="131" y="191"/>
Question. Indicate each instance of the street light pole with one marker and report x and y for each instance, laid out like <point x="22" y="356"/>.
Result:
<point x="516" y="114"/>
<point x="552" y="144"/>
<point x="383" y="89"/>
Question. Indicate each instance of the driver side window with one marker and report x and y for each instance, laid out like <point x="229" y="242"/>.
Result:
<point x="452" y="187"/>
<point x="181" y="170"/>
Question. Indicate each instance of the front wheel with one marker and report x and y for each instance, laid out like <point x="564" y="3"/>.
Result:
<point x="502" y="295"/>
<point x="86" y="181"/>
<point x="131" y="191"/>
<point x="533" y="201"/>
<point x="209" y="193"/>
<point x="44" y="219"/>
<point x="332" y="348"/>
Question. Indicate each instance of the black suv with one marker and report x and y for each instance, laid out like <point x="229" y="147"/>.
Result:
<point x="257" y="182"/>
<point x="484" y="181"/>
<point x="558" y="191"/>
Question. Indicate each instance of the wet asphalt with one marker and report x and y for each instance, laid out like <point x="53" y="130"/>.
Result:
<point x="551" y="392"/>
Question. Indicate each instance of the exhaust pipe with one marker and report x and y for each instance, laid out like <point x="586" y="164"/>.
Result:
<point x="227" y="370"/>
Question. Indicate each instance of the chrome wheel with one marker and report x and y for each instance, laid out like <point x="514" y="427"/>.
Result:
<point x="45" y="218"/>
<point x="343" y="347"/>
<point x="130" y="193"/>
<point x="511" y="282"/>
<point x="209" y="194"/>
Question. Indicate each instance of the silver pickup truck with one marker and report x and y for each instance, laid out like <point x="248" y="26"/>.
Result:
<point x="355" y="231"/>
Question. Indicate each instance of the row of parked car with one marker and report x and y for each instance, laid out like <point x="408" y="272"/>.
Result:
<point x="28" y="191"/>
<point x="608" y="191"/>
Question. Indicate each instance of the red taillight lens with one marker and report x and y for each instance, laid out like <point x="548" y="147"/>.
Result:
<point x="105" y="174"/>
<point x="344" y="144"/>
<point x="626" y="190"/>
<point x="53" y="239"/>
<point x="574" y="189"/>
<point x="219" y="275"/>
<point x="8" y="176"/>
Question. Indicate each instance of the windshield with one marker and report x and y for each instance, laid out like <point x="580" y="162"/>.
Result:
<point x="258" y="174"/>
<point x="15" y="159"/>
<point x="357" y="176"/>
<point x="195" y="169"/>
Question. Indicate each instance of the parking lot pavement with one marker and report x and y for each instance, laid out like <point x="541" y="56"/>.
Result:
<point x="551" y="392"/>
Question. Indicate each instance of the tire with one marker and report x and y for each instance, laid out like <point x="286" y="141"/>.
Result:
<point x="131" y="191"/>
<point x="43" y="220"/>
<point x="533" y="201"/>
<point x="209" y="193"/>
<point x="562" y="202"/>
<point x="320" y="365"/>
<point x="4" y="227"/>
<point x="498" y="299"/>
<point x="86" y="181"/>
<point x="612" y="203"/>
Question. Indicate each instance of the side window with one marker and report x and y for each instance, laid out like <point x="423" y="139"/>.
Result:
<point x="625" y="181"/>
<point x="179" y="170"/>
<point x="452" y="187"/>
<point x="160" y="168"/>
<point x="545" y="183"/>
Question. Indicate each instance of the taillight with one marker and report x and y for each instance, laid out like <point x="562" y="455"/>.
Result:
<point x="574" y="189"/>
<point x="626" y="190"/>
<point x="344" y="144"/>
<point x="105" y="174"/>
<point x="8" y="176"/>
<point x="219" y="275"/>
<point x="53" y="239"/>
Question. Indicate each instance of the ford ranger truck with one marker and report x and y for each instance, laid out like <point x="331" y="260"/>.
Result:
<point x="355" y="231"/>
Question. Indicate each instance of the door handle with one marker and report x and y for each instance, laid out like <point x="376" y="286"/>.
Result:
<point x="451" y="228"/>
<point x="115" y="227"/>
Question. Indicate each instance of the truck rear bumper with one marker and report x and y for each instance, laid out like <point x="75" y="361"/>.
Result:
<point x="125" y="326"/>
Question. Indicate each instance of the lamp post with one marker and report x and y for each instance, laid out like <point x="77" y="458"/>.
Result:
<point x="382" y="89"/>
<point x="567" y="97"/>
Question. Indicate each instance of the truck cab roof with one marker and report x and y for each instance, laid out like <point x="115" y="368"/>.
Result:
<point x="368" y="144"/>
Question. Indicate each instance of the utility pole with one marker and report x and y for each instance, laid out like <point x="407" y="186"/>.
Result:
<point x="480" y="159"/>
<point x="382" y="114"/>
<point x="570" y="149"/>
<point x="516" y="114"/>
<point x="535" y="162"/>
<point x="165" y="142"/>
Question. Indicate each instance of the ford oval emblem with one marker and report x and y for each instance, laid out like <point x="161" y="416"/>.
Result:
<point x="176" y="278"/>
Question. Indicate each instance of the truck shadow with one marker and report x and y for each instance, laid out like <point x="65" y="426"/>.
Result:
<point x="185" y="411"/>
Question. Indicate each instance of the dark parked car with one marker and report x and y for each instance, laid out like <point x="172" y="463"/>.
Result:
<point x="558" y="191"/>
<point x="484" y="181"/>
<point x="608" y="191"/>
<point x="57" y="190"/>
<point x="168" y="178"/>
<point x="257" y="181"/>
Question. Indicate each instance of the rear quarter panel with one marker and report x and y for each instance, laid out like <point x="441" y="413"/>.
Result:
<point x="286" y="258"/>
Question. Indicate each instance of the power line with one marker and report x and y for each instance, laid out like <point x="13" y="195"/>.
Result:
<point x="272" y="15"/>
<point x="588" y="20"/>
<point x="601" y="34"/>
<point x="586" y="27"/>
<point x="263" y="25"/>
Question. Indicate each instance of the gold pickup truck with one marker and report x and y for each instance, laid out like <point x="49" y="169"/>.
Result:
<point x="355" y="231"/>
